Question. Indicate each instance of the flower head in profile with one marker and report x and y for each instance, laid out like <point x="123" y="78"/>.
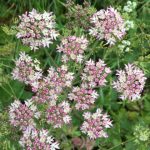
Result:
<point x="94" y="74"/>
<point x="130" y="82"/>
<point x="58" y="115"/>
<point x="34" y="139"/>
<point x="22" y="115"/>
<point x="84" y="98"/>
<point x="27" y="70"/>
<point x="73" y="48"/>
<point x="37" y="30"/>
<point x="108" y="25"/>
<point x="95" y="124"/>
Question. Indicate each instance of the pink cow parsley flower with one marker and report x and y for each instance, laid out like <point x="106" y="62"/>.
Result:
<point x="51" y="86"/>
<point x="130" y="82"/>
<point x="108" y="25"/>
<point x="95" y="124"/>
<point x="37" y="30"/>
<point x="73" y="48"/>
<point x="34" y="139"/>
<point x="84" y="98"/>
<point x="58" y="115"/>
<point x="94" y="74"/>
<point x="27" y="70"/>
<point x="22" y="115"/>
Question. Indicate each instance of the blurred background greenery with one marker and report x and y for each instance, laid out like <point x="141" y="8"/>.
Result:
<point x="131" y="121"/>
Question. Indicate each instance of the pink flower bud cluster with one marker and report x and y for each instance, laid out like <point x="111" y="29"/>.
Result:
<point x="95" y="124"/>
<point x="22" y="115"/>
<point x="108" y="25"/>
<point x="37" y="30"/>
<point x="94" y="74"/>
<point x="73" y="48"/>
<point x="34" y="139"/>
<point x="58" y="115"/>
<point x="130" y="82"/>
<point x="27" y="70"/>
<point x="52" y="85"/>
<point x="84" y="98"/>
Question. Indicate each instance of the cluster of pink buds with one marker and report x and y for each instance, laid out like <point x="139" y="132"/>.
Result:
<point x="58" y="115"/>
<point x="130" y="82"/>
<point x="84" y="98"/>
<point x="107" y="25"/>
<point x="51" y="86"/>
<point x="73" y="48"/>
<point x="95" y="124"/>
<point x="37" y="30"/>
<point x="22" y="115"/>
<point x="95" y="74"/>
<point x="34" y="139"/>
<point x="27" y="70"/>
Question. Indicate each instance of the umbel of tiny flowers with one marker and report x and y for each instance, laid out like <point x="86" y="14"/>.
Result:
<point x="27" y="70"/>
<point x="129" y="7"/>
<point x="108" y="25"/>
<point x="124" y="46"/>
<point x="58" y="115"/>
<point x="129" y="24"/>
<point x="95" y="124"/>
<point x="34" y="139"/>
<point x="94" y="74"/>
<point x="84" y="98"/>
<point x="141" y="134"/>
<point x="52" y="85"/>
<point x="22" y="115"/>
<point x="37" y="30"/>
<point x="130" y="82"/>
<point x="78" y="15"/>
<point x="73" y="48"/>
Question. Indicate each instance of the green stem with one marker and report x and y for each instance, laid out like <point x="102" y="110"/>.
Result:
<point x="51" y="58"/>
<point x="12" y="89"/>
<point x="122" y="143"/>
<point x="6" y="66"/>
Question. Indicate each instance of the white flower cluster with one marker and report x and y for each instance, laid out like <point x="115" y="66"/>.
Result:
<point x="124" y="46"/>
<point x="129" y="7"/>
<point x="129" y="25"/>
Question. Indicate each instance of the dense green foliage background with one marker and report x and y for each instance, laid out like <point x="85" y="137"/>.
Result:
<point x="126" y="116"/>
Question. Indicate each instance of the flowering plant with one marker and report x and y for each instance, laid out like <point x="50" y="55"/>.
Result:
<point x="77" y="76"/>
<point x="37" y="30"/>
